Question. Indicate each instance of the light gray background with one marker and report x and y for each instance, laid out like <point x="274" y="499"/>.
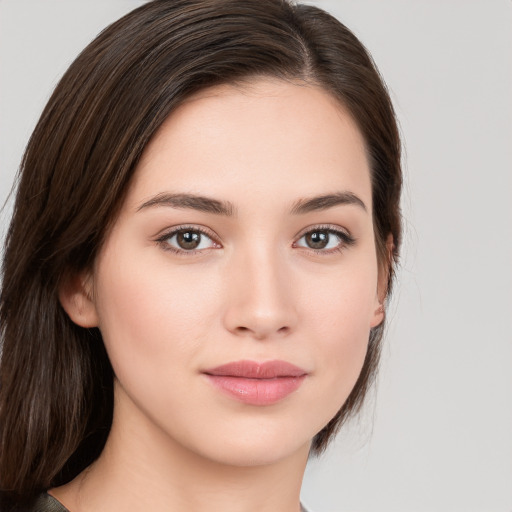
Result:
<point x="438" y="434"/>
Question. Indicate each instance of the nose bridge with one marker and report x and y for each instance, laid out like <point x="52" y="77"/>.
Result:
<point x="260" y="299"/>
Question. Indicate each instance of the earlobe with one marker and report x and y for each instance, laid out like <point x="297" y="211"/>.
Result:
<point x="383" y="282"/>
<point x="378" y="316"/>
<point x="76" y="298"/>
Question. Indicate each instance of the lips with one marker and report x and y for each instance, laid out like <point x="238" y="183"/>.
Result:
<point x="256" y="383"/>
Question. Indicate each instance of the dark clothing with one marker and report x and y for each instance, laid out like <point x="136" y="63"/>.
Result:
<point x="46" y="503"/>
<point x="42" y="503"/>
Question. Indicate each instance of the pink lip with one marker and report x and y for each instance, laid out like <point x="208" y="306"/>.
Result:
<point x="257" y="383"/>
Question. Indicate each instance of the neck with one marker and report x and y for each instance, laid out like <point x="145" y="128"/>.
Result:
<point x="141" y="467"/>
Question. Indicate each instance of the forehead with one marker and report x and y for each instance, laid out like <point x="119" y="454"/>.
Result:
<point x="272" y="137"/>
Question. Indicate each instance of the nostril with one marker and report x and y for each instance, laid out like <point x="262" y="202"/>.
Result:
<point x="260" y="333"/>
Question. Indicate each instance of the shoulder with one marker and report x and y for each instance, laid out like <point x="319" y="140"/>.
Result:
<point x="42" y="503"/>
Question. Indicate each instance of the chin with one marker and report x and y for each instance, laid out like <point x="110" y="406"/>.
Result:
<point x="247" y="442"/>
<point x="251" y="453"/>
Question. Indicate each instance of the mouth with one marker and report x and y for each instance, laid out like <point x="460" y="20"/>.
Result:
<point x="256" y="383"/>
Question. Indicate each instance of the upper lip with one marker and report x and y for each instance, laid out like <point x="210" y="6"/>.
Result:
<point x="257" y="370"/>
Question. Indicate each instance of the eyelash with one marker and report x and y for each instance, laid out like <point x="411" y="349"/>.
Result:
<point x="163" y="239"/>
<point x="346" y="240"/>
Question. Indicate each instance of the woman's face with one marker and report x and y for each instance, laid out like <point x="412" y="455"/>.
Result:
<point x="236" y="291"/>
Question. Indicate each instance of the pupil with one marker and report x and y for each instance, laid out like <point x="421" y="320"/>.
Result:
<point x="317" y="239"/>
<point x="188" y="239"/>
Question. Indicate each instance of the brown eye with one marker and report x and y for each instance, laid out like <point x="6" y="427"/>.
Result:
<point x="325" y="240"/>
<point x="188" y="240"/>
<point x="317" y="239"/>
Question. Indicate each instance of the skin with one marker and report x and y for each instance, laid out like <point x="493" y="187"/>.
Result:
<point x="253" y="290"/>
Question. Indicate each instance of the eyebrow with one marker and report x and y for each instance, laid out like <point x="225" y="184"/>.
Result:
<point x="226" y="208"/>
<point x="324" y="202"/>
<point x="192" y="202"/>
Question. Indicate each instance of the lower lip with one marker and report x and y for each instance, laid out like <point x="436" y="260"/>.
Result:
<point x="257" y="391"/>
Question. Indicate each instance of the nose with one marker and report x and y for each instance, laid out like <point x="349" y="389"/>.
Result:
<point x="261" y="302"/>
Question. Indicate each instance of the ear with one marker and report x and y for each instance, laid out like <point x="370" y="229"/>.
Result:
<point x="383" y="283"/>
<point x="77" y="298"/>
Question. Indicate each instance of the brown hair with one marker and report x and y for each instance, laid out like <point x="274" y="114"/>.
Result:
<point x="56" y="382"/>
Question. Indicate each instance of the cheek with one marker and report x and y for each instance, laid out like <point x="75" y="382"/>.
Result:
<point x="339" y="321"/>
<point x="342" y="347"/>
<point x="343" y="303"/>
<point x="151" y="317"/>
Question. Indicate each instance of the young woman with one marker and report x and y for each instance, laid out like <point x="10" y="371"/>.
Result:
<point x="196" y="271"/>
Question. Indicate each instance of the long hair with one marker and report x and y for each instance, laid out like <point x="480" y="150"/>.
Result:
<point x="56" y="382"/>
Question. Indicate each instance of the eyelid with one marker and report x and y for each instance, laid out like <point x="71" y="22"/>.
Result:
<point x="167" y="233"/>
<point x="342" y="233"/>
<point x="346" y="239"/>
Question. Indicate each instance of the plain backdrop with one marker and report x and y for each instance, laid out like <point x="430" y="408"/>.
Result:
<point x="437" y="433"/>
